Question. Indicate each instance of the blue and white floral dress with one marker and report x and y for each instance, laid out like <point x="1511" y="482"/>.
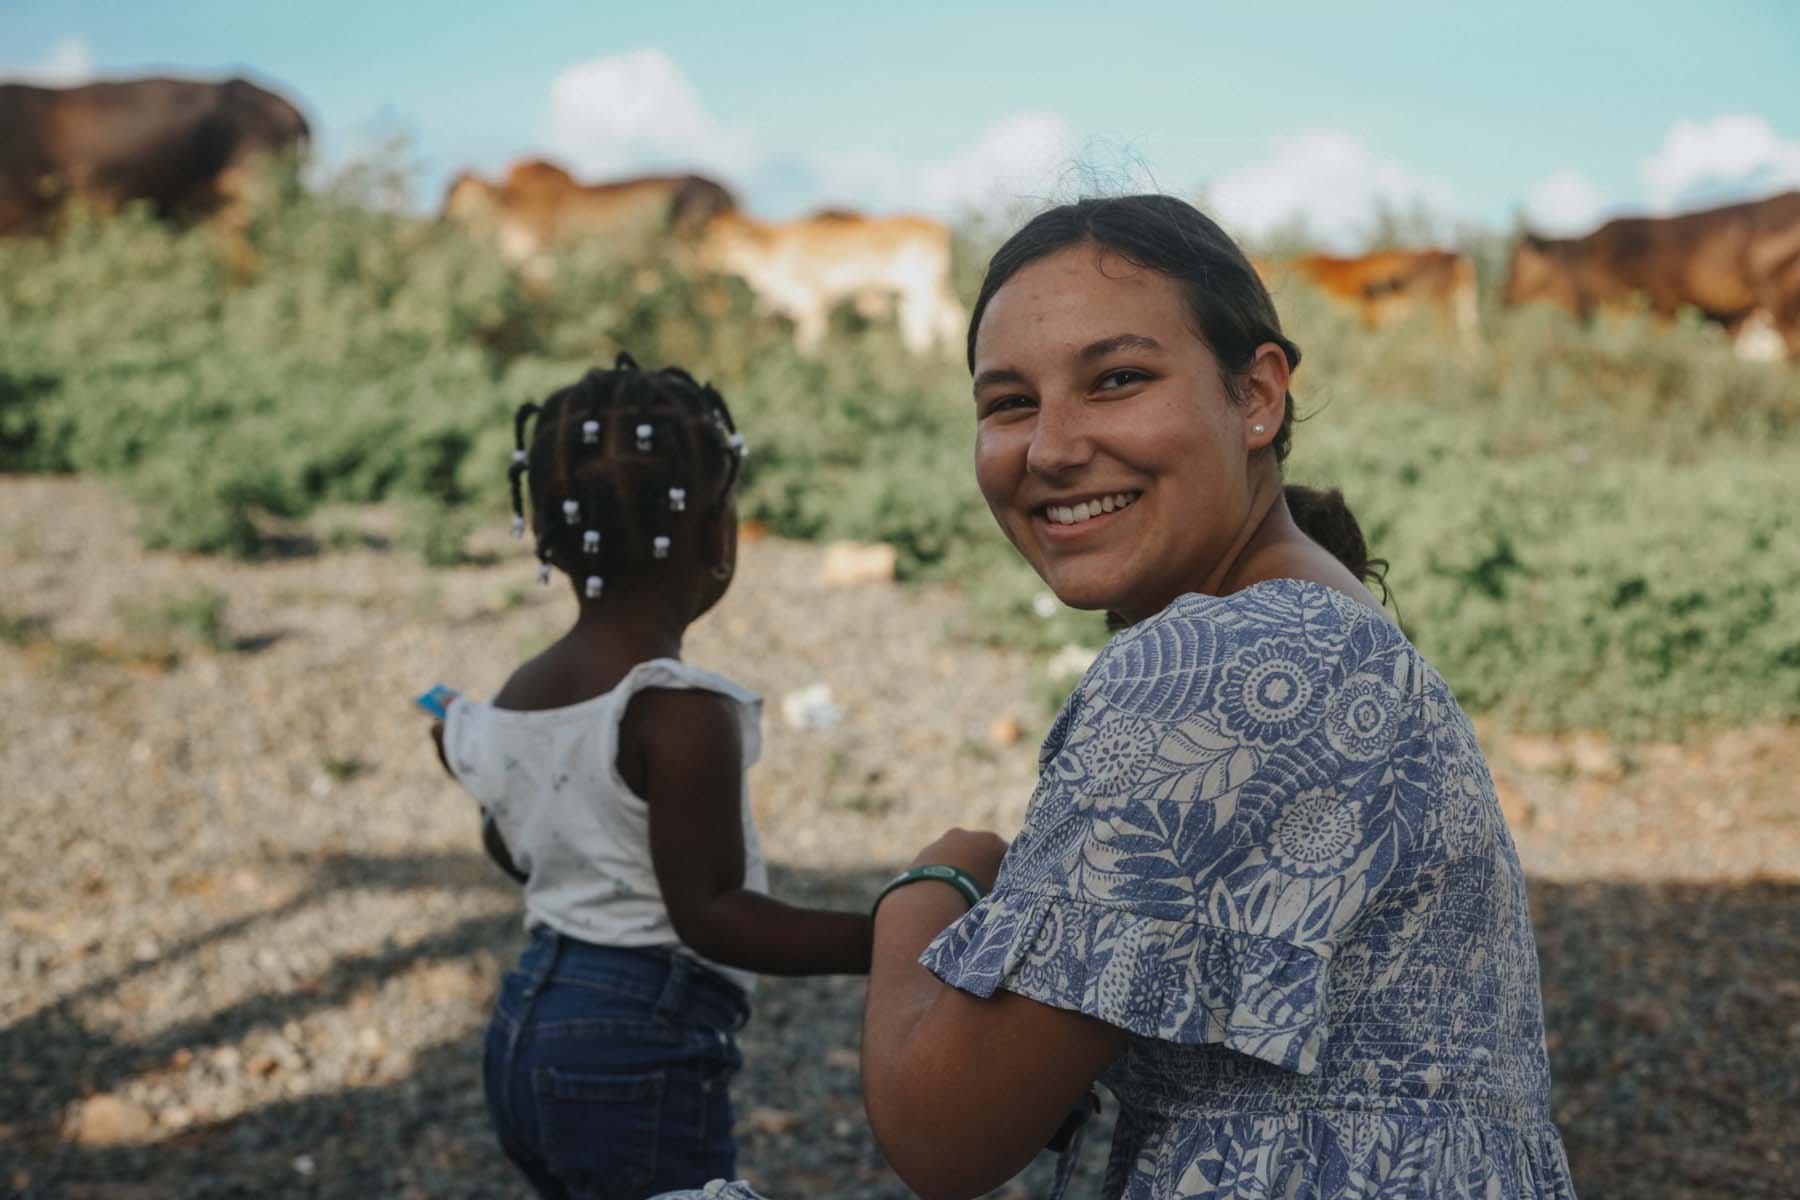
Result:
<point x="1264" y="843"/>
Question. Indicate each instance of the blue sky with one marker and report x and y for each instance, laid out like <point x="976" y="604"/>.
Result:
<point x="1567" y="111"/>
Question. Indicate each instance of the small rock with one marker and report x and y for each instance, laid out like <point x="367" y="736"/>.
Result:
<point x="1071" y="662"/>
<point x="1594" y="756"/>
<point x="848" y="564"/>
<point x="107" y="1120"/>
<point x="1513" y="806"/>
<point x="810" y="708"/>
<point x="1646" y="1014"/>
<point x="1540" y="754"/>
<point x="777" y="1122"/>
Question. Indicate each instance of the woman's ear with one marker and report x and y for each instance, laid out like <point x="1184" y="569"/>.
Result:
<point x="1264" y="395"/>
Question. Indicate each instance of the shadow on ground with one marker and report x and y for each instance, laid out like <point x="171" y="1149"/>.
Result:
<point x="1674" y="1017"/>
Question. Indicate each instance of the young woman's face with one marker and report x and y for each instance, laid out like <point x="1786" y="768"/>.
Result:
<point x="1106" y="444"/>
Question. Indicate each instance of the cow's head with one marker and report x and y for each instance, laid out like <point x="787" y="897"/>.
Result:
<point x="264" y="122"/>
<point x="1537" y="272"/>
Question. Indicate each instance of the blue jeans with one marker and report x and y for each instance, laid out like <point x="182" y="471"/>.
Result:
<point x="607" y="1071"/>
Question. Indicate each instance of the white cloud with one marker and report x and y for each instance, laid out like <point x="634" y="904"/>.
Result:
<point x="1013" y="163"/>
<point x="69" y="62"/>
<point x="637" y="111"/>
<point x="1563" y="203"/>
<point x="1733" y="156"/>
<point x="1332" y="182"/>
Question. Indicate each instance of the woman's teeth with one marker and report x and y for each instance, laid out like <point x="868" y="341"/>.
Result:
<point x="1073" y="514"/>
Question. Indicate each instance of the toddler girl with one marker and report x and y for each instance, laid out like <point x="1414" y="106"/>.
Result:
<point x="612" y="774"/>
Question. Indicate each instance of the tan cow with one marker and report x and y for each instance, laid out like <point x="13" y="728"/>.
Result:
<point x="1389" y="285"/>
<point x="539" y="205"/>
<point x="1739" y="265"/>
<point x="802" y="269"/>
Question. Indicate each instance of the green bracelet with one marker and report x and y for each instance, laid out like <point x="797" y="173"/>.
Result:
<point x="956" y="877"/>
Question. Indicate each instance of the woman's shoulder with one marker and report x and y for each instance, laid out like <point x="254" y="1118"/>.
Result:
<point x="1318" y="624"/>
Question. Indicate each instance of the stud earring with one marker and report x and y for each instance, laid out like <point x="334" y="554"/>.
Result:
<point x="1257" y="428"/>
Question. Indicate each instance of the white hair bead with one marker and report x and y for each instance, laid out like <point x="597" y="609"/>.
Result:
<point x="518" y="456"/>
<point x="677" y="499"/>
<point x="590" y="541"/>
<point x="738" y="445"/>
<point x="643" y="436"/>
<point x="543" y="572"/>
<point x="595" y="585"/>
<point x="518" y="527"/>
<point x="571" y="511"/>
<point x="590" y="432"/>
<point x="660" y="547"/>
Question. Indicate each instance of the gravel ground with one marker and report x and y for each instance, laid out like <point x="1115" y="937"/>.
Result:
<point x="250" y="937"/>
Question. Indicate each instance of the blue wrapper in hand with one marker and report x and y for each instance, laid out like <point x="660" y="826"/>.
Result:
<point x="437" y="700"/>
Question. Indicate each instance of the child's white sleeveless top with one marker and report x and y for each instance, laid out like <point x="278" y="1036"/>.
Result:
<point x="550" y="780"/>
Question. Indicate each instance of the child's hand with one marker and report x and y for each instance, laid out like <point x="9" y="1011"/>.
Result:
<point x="978" y="853"/>
<point x="437" y="739"/>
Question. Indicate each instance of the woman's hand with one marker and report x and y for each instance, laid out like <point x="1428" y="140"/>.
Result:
<point x="978" y="853"/>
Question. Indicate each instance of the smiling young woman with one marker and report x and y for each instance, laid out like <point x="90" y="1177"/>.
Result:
<point x="1263" y="892"/>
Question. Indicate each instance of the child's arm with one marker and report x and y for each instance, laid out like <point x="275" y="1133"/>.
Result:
<point x="683" y="752"/>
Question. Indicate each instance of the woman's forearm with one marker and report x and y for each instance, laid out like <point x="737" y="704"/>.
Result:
<point x="900" y="990"/>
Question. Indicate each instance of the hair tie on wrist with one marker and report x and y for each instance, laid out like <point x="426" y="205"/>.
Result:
<point x="956" y="877"/>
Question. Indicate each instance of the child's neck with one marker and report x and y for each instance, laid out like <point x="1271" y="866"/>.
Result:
<point x="627" y="631"/>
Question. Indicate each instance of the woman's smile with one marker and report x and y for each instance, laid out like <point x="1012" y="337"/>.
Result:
<point x="1078" y="517"/>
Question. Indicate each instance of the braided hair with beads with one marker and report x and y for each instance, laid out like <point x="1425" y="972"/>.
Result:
<point x="619" y="465"/>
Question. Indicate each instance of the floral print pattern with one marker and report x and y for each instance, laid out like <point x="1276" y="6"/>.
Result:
<point x="1264" y="843"/>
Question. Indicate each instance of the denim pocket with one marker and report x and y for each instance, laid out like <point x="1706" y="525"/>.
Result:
<point x="719" y="1065"/>
<point x="599" y="1133"/>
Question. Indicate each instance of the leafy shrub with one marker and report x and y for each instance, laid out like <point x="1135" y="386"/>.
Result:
<point x="1589" y="525"/>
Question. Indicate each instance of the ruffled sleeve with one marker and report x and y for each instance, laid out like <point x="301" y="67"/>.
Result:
<point x="1217" y="806"/>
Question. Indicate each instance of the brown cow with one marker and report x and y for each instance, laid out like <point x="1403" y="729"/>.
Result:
<point x="1738" y="264"/>
<point x="539" y="205"/>
<point x="179" y="144"/>
<point x="802" y="269"/>
<point x="1390" y="285"/>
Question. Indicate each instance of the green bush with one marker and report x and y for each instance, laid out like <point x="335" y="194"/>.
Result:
<point x="1589" y="526"/>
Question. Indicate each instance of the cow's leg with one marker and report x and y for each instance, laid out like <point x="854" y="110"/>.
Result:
<point x="811" y="319"/>
<point x="916" y="322"/>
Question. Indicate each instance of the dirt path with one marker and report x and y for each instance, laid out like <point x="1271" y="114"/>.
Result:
<point x="251" y="939"/>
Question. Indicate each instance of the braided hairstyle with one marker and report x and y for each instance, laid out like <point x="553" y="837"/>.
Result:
<point x="621" y="464"/>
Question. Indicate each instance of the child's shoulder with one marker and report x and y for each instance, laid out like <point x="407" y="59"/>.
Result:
<point x="677" y="709"/>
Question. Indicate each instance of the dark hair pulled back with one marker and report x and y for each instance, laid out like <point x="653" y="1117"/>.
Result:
<point x="1229" y="308"/>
